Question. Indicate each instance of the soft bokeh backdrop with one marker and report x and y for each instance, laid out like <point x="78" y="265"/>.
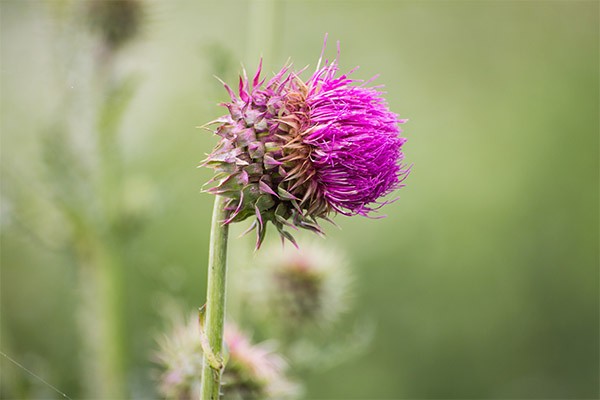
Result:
<point x="482" y="280"/>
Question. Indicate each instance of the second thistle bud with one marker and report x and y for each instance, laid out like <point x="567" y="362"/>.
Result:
<point x="301" y="289"/>
<point x="253" y="371"/>
<point x="117" y="21"/>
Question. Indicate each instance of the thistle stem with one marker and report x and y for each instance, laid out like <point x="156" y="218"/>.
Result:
<point x="215" y="299"/>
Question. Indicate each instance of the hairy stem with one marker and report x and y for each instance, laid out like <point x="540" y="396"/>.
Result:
<point x="215" y="300"/>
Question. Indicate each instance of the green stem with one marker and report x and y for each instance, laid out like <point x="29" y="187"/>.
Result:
<point x="102" y="321"/>
<point x="113" y="351"/>
<point x="215" y="299"/>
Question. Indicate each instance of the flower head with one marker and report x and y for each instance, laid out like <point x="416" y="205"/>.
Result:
<point x="293" y="151"/>
<point x="116" y="21"/>
<point x="297" y="291"/>
<point x="253" y="371"/>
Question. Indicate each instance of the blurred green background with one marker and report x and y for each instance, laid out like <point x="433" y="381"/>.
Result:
<point x="482" y="280"/>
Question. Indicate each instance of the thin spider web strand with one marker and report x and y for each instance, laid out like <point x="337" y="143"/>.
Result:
<point x="34" y="375"/>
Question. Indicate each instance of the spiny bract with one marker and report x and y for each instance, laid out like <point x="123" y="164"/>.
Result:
<point x="292" y="152"/>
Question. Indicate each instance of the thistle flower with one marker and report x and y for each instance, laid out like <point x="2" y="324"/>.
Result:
<point x="180" y="356"/>
<point x="253" y="371"/>
<point x="295" y="291"/>
<point x="292" y="152"/>
<point x="117" y="21"/>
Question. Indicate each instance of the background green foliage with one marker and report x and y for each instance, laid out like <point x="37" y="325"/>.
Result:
<point x="483" y="278"/>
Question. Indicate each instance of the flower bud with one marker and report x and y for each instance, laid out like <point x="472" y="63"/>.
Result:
<point x="117" y="21"/>
<point x="253" y="371"/>
<point x="300" y="289"/>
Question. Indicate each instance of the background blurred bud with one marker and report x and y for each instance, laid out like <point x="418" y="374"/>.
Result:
<point x="300" y="288"/>
<point x="253" y="371"/>
<point x="117" y="21"/>
<point x="180" y="354"/>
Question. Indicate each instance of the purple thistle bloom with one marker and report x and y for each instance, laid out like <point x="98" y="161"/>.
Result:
<point x="357" y="142"/>
<point x="292" y="152"/>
